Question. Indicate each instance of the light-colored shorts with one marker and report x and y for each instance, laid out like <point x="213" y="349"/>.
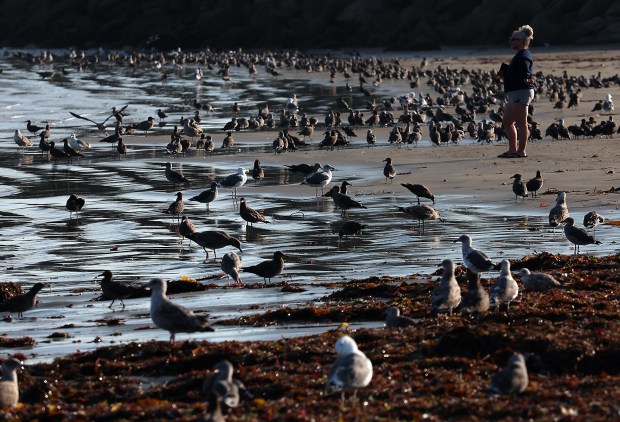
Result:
<point x="521" y="96"/>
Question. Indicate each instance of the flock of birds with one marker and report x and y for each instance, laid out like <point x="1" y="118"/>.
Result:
<point x="352" y="369"/>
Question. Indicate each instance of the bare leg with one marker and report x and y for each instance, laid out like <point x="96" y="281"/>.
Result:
<point x="510" y="116"/>
<point x="521" y="124"/>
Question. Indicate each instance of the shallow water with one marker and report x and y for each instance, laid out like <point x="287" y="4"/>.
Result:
<point x="123" y="229"/>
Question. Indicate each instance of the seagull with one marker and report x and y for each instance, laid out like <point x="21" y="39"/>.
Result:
<point x="419" y="191"/>
<point x="231" y="265"/>
<point x="57" y="153"/>
<point x="350" y="228"/>
<point x="268" y="269"/>
<point x="220" y="383"/>
<point x="393" y="318"/>
<point x="24" y="302"/>
<point x="100" y="126"/>
<point x="577" y="235"/>
<point x="505" y="289"/>
<point x="172" y="317"/>
<point x="250" y="215"/>
<point x="214" y="239"/>
<point x="533" y="185"/>
<point x="351" y="370"/>
<point x="69" y="150"/>
<point x="320" y="178"/>
<point x="371" y="138"/>
<point x="559" y="213"/>
<point x="511" y="379"/>
<point x="74" y="204"/>
<point x="422" y="213"/>
<point x="592" y="219"/>
<point x="258" y="174"/>
<point x="186" y="228"/>
<point x="21" y="140"/>
<point x="77" y="144"/>
<point x="207" y="196"/>
<point x="476" y="300"/>
<point x="176" y="207"/>
<point x="304" y="168"/>
<point x="473" y="259"/>
<point x="537" y="282"/>
<point x="389" y="171"/>
<point x="234" y="181"/>
<point x="342" y="201"/>
<point x="114" y="290"/>
<point x="175" y="177"/>
<point x="9" y="389"/>
<point x="121" y="148"/>
<point x="145" y="125"/>
<point x="32" y="128"/>
<point x="519" y="187"/>
<point x="447" y="294"/>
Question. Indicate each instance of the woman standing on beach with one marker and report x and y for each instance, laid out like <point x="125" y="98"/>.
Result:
<point x="519" y="87"/>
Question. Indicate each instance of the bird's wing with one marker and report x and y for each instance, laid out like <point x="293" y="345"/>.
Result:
<point x="84" y="118"/>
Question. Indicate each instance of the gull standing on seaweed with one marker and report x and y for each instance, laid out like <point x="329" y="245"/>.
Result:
<point x="231" y="265"/>
<point x="476" y="300"/>
<point x="578" y="236"/>
<point x="447" y="294"/>
<point x="319" y="179"/>
<point x="116" y="290"/>
<point x="9" y="388"/>
<point x="234" y="181"/>
<point x="537" y="282"/>
<point x="393" y="318"/>
<point x="268" y="269"/>
<point x="473" y="259"/>
<point x="559" y="213"/>
<point x="172" y="317"/>
<point x="505" y="289"/>
<point x="351" y="370"/>
<point x="24" y="302"/>
<point x="207" y="196"/>
<point x="221" y="387"/>
<point x="512" y="378"/>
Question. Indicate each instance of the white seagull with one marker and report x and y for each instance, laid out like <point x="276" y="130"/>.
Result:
<point x="352" y="369"/>
<point x="473" y="259"/>
<point x="234" y="181"/>
<point x="319" y="179"/>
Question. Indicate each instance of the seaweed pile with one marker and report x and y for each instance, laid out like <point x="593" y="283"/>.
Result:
<point x="437" y="369"/>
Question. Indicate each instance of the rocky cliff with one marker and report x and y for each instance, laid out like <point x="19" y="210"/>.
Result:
<point x="392" y="24"/>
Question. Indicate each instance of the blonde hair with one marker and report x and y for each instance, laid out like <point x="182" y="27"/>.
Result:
<point x="527" y="32"/>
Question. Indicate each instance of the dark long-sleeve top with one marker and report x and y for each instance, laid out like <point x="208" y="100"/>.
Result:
<point x="519" y="69"/>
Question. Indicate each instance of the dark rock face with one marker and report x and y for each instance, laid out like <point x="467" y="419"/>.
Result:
<point x="391" y="24"/>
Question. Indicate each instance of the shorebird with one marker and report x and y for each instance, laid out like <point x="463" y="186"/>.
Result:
<point x="234" y="181"/>
<point x="352" y="370"/>
<point x="21" y="140"/>
<point x="221" y="387"/>
<point x="421" y="213"/>
<point x="393" y="318"/>
<point x="249" y="214"/>
<point x="447" y="294"/>
<point x="46" y="133"/>
<point x="473" y="259"/>
<point x="77" y="144"/>
<point x="44" y="145"/>
<point x="24" y="302"/>
<point x="559" y="213"/>
<point x="207" y="196"/>
<point x="176" y="207"/>
<point x="304" y="168"/>
<point x="578" y="236"/>
<point x="511" y="379"/>
<point x="519" y="187"/>
<point x="505" y="288"/>
<point x="371" y="138"/>
<point x="214" y="239"/>
<point x="145" y="125"/>
<point x="74" y="205"/>
<point x="118" y="114"/>
<point x="591" y="220"/>
<point x="116" y="290"/>
<point x="56" y="153"/>
<point x="186" y="228"/>
<point x="175" y="177"/>
<point x="228" y="141"/>
<point x="342" y="201"/>
<point x="100" y="126"/>
<point x="476" y="300"/>
<point x="350" y="228"/>
<point x="533" y="185"/>
<point x="172" y="317"/>
<point x="32" y="128"/>
<point x="69" y="150"/>
<point x="121" y="148"/>
<point x="258" y="174"/>
<point x="161" y="114"/>
<point x="9" y="388"/>
<point x="388" y="170"/>
<point x="319" y="179"/>
<point x="268" y="269"/>
<point x="419" y="191"/>
<point x="537" y="282"/>
<point x="231" y="265"/>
